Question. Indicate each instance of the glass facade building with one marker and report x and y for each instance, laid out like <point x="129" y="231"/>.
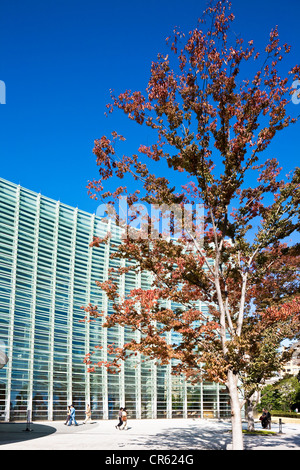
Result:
<point x="47" y="273"/>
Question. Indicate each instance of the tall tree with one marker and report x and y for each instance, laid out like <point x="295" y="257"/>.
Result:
<point x="210" y="126"/>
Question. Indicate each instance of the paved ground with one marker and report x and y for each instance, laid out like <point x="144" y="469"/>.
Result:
<point x="142" y="435"/>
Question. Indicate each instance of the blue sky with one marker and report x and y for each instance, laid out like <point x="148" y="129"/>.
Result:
<point x="59" y="59"/>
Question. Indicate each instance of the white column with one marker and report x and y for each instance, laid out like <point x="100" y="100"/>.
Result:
<point x="87" y="324"/>
<point x="218" y="400"/>
<point x="154" y="372"/>
<point x="104" y="330"/>
<point x="201" y="399"/>
<point x="154" y="389"/>
<point x="33" y="302"/>
<point x="185" y="410"/>
<point x="12" y="304"/>
<point x="138" y="378"/>
<point x="70" y="311"/>
<point x="169" y="376"/>
<point x="52" y="313"/>
<point x="121" y="341"/>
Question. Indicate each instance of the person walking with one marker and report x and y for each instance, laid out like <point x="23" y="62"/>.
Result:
<point x="68" y="415"/>
<point x="265" y="419"/>
<point x="269" y="418"/>
<point x="118" y="426"/>
<point x="72" y="416"/>
<point x="124" y="419"/>
<point x="88" y="415"/>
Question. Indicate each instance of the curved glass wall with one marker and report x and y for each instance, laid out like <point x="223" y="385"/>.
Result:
<point x="47" y="273"/>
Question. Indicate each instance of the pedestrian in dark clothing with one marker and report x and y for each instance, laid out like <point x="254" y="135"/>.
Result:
<point x="265" y="419"/>
<point x="120" y="419"/>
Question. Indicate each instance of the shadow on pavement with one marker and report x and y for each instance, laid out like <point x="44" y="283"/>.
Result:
<point x="18" y="432"/>
<point x="186" y="439"/>
<point x="287" y="441"/>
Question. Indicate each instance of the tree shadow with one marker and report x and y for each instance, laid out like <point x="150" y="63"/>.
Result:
<point x="268" y="442"/>
<point x="185" y="439"/>
<point x="18" y="432"/>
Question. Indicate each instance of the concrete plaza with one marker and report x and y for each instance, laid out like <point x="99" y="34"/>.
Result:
<point x="142" y="435"/>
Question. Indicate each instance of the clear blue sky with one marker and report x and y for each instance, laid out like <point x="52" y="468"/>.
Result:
<point x="59" y="58"/>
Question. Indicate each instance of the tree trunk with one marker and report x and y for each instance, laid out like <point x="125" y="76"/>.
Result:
<point x="236" y="417"/>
